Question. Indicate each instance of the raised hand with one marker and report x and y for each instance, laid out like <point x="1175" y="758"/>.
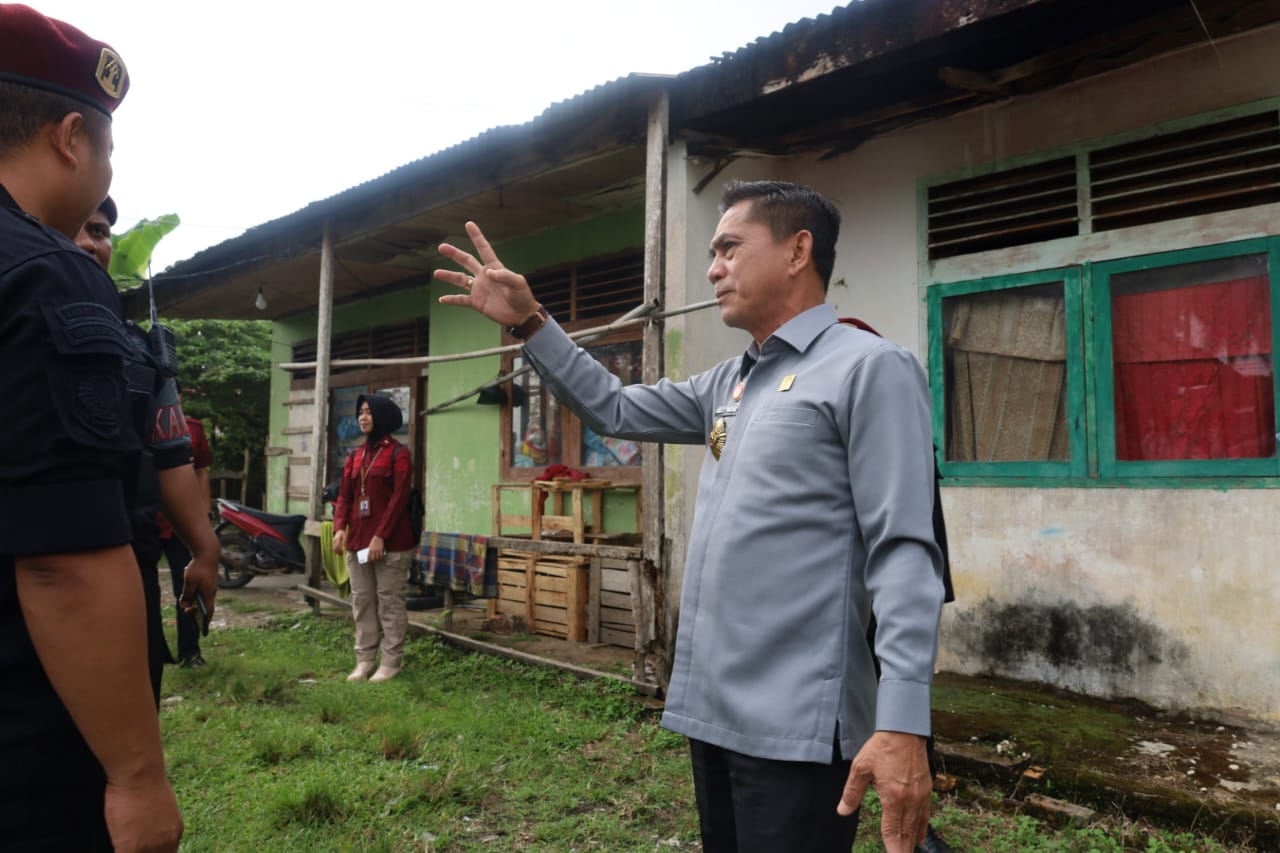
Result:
<point x="490" y="288"/>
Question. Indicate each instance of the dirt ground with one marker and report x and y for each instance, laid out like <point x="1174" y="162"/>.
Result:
<point x="265" y="596"/>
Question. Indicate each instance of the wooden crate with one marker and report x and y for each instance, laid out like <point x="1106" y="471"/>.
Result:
<point x="609" y="614"/>
<point x="557" y="606"/>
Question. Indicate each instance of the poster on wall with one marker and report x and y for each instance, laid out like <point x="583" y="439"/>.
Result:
<point x="345" y="433"/>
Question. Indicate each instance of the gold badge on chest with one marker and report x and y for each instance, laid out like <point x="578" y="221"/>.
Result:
<point x="716" y="438"/>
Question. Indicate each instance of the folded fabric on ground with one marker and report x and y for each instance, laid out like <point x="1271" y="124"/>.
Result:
<point x="462" y="562"/>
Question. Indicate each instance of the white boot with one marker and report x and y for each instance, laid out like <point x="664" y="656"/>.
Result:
<point x="385" y="673"/>
<point x="362" y="671"/>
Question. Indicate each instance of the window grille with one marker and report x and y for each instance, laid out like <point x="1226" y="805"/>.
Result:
<point x="401" y="341"/>
<point x="1221" y="166"/>
<point x="604" y="288"/>
<point x="1009" y="208"/>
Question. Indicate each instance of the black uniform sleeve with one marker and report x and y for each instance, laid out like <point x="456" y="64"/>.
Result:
<point x="170" y="439"/>
<point x="68" y="447"/>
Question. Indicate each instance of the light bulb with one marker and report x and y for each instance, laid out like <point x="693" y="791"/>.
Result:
<point x="261" y="302"/>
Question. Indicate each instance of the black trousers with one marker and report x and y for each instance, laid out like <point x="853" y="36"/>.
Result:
<point x="55" y="821"/>
<point x="758" y="805"/>
<point x="178" y="556"/>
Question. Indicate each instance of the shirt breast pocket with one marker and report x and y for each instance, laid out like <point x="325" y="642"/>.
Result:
<point x="778" y="434"/>
<point x="384" y="472"/>
<point x="799" y="415"/>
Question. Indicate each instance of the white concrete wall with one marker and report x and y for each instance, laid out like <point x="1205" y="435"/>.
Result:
<point x="1167" y="595"/>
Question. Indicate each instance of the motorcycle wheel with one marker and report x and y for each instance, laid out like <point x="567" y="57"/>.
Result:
<point x="234" y="573"/>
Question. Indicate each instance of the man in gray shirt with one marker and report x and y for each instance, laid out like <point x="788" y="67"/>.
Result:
<point x="814" y="511"/>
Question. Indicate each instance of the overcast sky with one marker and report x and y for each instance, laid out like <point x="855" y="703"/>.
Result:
<point x="240" y="112"/>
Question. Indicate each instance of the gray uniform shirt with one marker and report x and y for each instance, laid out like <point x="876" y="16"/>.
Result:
<point x="818" y="512"/>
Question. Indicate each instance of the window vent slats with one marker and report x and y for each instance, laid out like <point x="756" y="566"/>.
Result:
<point x="1222" y="166"/>
<point x="405" y="340"/>
<point x="601" y="289"/>
<point x="1009" y="208"/>
<point x="1227" y="165"/>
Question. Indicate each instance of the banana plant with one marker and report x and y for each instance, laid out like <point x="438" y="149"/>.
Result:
<point x="131" y="251"/>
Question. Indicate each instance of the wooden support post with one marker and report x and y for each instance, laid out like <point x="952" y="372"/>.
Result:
<point x="495" y="522"/>
<point x="576" y="596"/>
<point x="579" y="523"/>
<point x="593" y="601"/>
<point x="320" y="429"/>
<point x="530" y="590"/>
<point x="647" y="600"/>
<point x="536" y="497"/>
<point x="597" y="511"/>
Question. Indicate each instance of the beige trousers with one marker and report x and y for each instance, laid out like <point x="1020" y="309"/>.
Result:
<point x="378" y="591"/>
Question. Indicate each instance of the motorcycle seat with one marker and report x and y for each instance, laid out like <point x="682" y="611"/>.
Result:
<point x="272" y="519"/>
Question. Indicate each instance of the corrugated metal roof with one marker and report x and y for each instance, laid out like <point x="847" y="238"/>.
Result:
<point x="825" y="83"/>
<point x="598" y="134"/>
<point x="561" y="112"/>
<point x="565" y="110"/>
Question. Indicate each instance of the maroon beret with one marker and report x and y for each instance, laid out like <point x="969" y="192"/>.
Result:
<point x="47" y="54"/>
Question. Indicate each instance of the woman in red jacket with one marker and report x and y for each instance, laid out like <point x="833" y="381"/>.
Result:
<point x="371" y="524"/>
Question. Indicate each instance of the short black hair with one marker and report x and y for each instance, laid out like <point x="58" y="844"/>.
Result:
<point x="108" y="208"/>
<point x="786" y="209"/>
<point x="26" y="109"/>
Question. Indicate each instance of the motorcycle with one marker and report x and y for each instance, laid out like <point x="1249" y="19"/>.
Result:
<point x="257" y="543"/>
<point x="261" y="543"/>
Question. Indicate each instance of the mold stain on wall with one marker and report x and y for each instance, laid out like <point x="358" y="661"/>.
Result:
<point x="1103" y="644"/>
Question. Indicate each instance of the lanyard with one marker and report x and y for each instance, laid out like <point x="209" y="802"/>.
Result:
<point x="365" y="469"/>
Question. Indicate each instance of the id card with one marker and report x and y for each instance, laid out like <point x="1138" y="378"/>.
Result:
<point x="363" y="508"/>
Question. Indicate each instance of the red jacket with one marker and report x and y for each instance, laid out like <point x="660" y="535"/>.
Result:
<point x="387" y="484"/>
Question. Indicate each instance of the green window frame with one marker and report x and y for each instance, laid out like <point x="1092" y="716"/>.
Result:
<point x="1074" y="465"/>
<point x="1090" y="380"/>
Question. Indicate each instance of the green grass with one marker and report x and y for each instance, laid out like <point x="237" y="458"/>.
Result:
<point x="1053" y="729"/>
<point x="271" y="749"/>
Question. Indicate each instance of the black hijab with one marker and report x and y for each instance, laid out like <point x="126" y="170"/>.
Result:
<point x="387" y="417"/>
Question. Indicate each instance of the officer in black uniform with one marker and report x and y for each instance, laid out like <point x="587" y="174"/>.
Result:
<point x="81" y="764"/>
<point x="166" y="475"/>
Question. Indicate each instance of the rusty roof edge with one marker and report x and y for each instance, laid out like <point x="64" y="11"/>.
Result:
<point x="812" y="47"/>
<point x="300" y="225"/>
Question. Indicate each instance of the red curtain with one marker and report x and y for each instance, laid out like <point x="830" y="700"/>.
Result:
<point x="1193" y="372"/>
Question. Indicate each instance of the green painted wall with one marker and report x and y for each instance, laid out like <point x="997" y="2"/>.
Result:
<point x="380" y="311"/>
<point x="462" y="442"/>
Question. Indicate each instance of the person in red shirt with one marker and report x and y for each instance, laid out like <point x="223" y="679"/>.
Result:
<point x="371" y="526"/>
<point x="175" y="550"/>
